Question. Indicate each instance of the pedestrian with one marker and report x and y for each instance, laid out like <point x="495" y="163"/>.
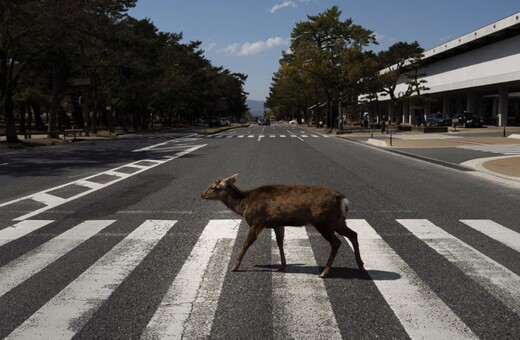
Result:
<point x="383" y="126"/>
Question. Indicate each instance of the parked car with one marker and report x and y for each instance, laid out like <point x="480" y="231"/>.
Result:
<point x="293" y="122"/>
<point x="467" y="119"/>
<point x="262" y="121"/>
<point x="214" y="122"/>
<point x="224" y="122"/>
<point x="217" y="122"/>
<point x="438" y="119"/>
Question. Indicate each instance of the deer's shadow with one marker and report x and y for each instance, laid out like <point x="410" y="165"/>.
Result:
<point x="335" y="272"/>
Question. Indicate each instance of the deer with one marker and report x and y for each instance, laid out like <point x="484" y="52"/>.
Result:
<point x="278" y="206"/>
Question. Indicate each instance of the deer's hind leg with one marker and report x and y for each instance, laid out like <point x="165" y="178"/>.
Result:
<point x="335" y="243"/>
<point x="342" y="229"/>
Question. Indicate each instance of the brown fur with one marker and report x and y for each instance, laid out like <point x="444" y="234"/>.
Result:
<point x="277" y="206"/>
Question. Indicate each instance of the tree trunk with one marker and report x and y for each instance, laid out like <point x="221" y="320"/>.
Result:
<point x="86" y="112"/>
<point x="37" y="116"/>
<point x="10" y="125"/>
<point x="57" y="91"/>
<point x="22" y="119"/>
<point x="6" y="92"/>
<point x="29" y="117"/>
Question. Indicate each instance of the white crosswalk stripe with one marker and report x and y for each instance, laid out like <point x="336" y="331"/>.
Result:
<point x="21" y="229"/>
<point x="270" y="136"/>
<point x="80" y="299"/>
<point x="188" y="305"/>
<point x="505" y="149"/>
<point x="300" y="299"/>
<point x="421" y="312"/>
<point x="496" y="231"/>
<point x="499" y="281"/>
<point x="299" y="296"/>
<point x="14" y="273"/>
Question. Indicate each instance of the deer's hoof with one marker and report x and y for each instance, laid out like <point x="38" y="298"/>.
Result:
<point x="324" y="273"/>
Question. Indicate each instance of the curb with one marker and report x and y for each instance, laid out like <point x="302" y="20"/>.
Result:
<point x="478" y="165"/>
<point x="411" y="155"/>
<point x="377" y="142"/>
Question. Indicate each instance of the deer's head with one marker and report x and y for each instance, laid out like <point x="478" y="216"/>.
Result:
<point x="216" y="191"/>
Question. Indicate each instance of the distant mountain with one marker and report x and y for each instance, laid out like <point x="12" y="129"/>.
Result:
<point x="256" y="107"/>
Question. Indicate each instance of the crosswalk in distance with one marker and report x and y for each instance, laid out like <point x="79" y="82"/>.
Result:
<point x="299" y="297"/>
<point x="267" y="136"/>
<point x="504" y="149"/>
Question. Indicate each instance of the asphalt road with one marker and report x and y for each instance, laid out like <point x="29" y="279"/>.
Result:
<point x="110" y="239"/>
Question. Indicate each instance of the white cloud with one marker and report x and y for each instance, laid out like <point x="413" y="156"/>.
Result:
<point x="282" y="5"/>
<point x="249" y="48"/>
<point x="379" y="37"/>
<point x="210" y="47"/>
<point x="230" y="49"/>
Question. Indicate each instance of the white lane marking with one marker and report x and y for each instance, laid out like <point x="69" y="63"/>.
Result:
<point x="152" y="146"/>
<point x="88" y="184"/>
<point x="421" y="312"/>
<point x="188" y="138"/>
<point x="21" y="229"/>
<point x="497" y="279"/>
<point x="189" y="306"/>
<point x="171" y="148"/>
<point x="117" y="174"/>
<point x="240" y="136"/>
<point x="293" y="135"/>
<point x="45" y="198"/>
<point x="48" y="199"/>
<point x="496" y="231"/>
<point x="251" y="136"/>
<point x="283" y="136"/>
<point x="22" y="268"/>
<point x="68" y="311"/>
<point x="260" y="137"/>
<point x="272" y="136"/>
<point x="301" y="306"/>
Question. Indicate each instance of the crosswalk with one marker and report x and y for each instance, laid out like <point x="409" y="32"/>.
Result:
<point x="189" y="305"/>
<point x="504" y="149"/>
<point x="252" y="136"/>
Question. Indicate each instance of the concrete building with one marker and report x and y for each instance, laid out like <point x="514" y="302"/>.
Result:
<point x="478" y="72"/>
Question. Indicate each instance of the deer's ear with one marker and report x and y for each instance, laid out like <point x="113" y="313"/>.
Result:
<point x="228" y="181"/>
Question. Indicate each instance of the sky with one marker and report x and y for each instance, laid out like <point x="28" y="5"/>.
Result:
<point x="248" y="36"/>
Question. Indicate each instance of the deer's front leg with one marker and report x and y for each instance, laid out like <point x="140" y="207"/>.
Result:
<point x="252" y="235"/>
<point x="280" y="232"/>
